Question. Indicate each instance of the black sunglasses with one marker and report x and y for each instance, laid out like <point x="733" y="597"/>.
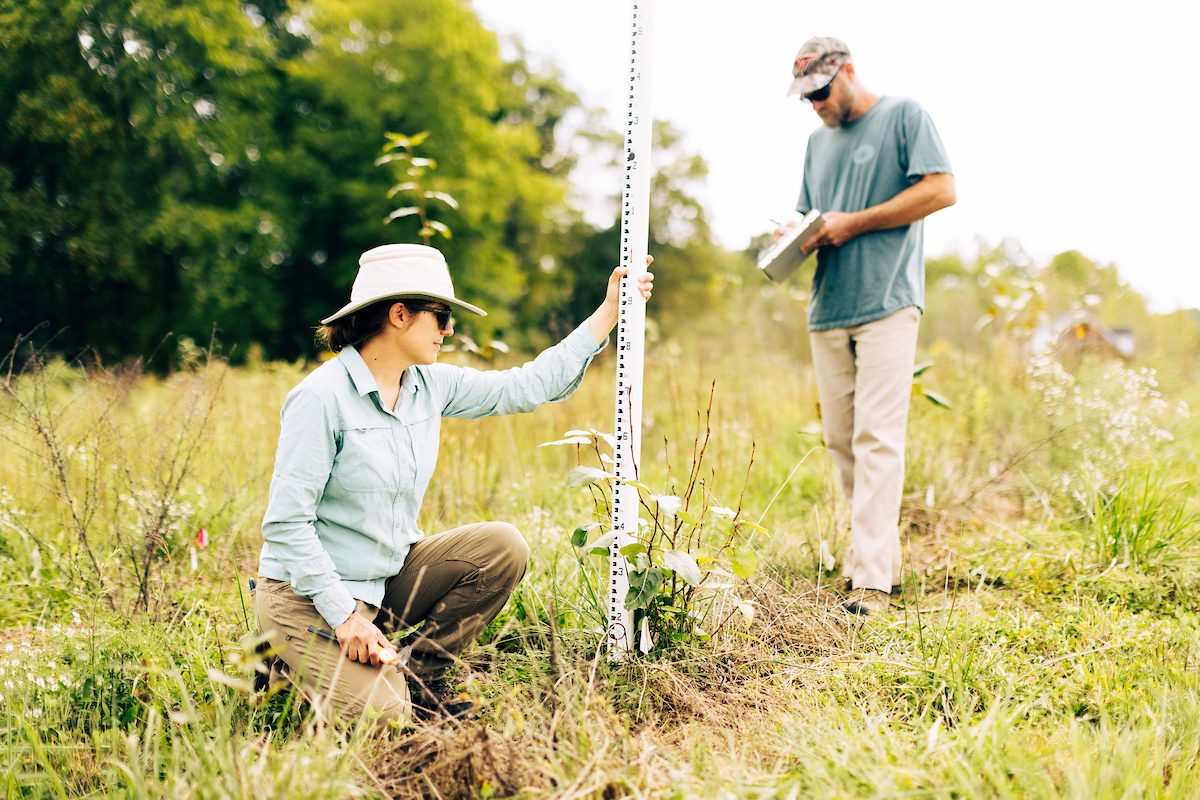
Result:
<point x="822" y="93"/>
<point x="442" y="313"/>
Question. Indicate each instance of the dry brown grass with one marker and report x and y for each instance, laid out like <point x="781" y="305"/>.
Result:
<point x="600" y="730"/>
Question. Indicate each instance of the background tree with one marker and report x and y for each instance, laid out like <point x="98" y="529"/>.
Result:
<point x="171" y="168"/>
<point x="130" y="134"/>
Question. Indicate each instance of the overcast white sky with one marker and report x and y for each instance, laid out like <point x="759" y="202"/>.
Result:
<point x="1070" y="125"/>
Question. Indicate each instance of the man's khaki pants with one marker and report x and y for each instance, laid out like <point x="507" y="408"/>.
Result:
<point x="864" y="381"/>
<point x="454" y="583"/>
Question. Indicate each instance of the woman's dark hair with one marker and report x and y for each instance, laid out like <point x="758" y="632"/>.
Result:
<point x="356" y="328"/>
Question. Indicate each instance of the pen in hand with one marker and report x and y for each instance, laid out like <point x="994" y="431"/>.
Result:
<point x="324" y="634"/>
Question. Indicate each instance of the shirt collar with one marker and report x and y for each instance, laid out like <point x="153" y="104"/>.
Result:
<point x="364" y="381"/>
<point x="408" y="381"/>
<point x="360" y="376"/>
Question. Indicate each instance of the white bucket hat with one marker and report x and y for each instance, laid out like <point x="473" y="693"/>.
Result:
<point x="402" y="270"/>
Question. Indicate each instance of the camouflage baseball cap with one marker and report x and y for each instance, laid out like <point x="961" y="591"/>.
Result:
<point x="817" y="62"/>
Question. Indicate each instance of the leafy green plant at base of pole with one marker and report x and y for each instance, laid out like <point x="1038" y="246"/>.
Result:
<point x="689" y="556"/>
<point x="401" y="151"/>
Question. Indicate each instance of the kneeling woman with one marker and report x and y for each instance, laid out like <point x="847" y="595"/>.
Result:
<point x="343" y="563"/>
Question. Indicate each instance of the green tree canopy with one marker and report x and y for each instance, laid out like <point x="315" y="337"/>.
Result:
<point x="169" y="167"/>
<point x="130" y="132"/>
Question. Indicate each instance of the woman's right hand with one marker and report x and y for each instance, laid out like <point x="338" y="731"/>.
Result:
<point x="362" y="641"/>
<point x="604" y="318"/>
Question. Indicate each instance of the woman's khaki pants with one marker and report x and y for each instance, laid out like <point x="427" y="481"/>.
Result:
<point x="452" y="585"/>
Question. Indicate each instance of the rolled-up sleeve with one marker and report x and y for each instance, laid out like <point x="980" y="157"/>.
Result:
<point x="303" y="462"/>
<point x="553" y="375"/>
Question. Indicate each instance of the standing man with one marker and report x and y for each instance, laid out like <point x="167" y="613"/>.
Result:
<point x="876" y="169"/>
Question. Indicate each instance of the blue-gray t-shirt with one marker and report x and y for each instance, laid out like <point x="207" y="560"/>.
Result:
<point x="858" y="165"/>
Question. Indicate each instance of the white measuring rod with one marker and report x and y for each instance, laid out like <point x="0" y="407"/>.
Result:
<point x="631" y="326"/>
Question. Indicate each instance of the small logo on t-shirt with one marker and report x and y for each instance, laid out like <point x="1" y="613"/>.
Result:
<point x="863" y="154"/>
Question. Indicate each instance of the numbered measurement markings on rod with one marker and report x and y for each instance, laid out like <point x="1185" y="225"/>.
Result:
<point x="631" y="324"/>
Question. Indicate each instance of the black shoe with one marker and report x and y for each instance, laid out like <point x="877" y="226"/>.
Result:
<point x="864" y="602"/>
<point x="262" y="680"/>
<point x="264" y="661"/>
<point x="437" y="698"/>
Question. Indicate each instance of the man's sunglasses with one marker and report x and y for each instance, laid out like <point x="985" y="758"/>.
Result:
<point x="442" y="313"/>
<point x="823" y="92"/>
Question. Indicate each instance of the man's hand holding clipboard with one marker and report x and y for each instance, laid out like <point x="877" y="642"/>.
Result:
<point x="839" y="228"/>
<point x="789" y="251"/>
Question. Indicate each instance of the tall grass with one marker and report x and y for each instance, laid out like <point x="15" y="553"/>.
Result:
<point x="1144" y="521"/>
<point x="1023" y="661"/>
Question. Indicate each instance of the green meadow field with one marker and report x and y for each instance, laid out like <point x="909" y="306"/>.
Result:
<point x="1046" y="642"/>
<point x="174" y="172"/>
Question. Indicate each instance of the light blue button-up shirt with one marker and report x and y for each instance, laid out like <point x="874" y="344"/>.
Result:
<point x="350" y="474"/>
